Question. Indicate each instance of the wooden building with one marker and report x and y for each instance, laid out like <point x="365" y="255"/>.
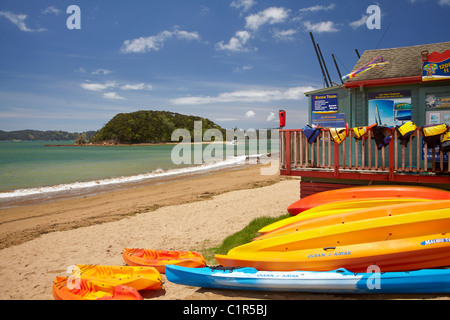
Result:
<point x="387" y="89"/>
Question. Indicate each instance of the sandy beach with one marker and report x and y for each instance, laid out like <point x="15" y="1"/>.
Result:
<point x="41" y="240"/>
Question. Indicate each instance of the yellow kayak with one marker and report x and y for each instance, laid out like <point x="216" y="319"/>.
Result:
<point x="337" y="208"/>
<point x="352" y="216"/>
<point x="393" y="243"/>
<point x="140" y="278"/>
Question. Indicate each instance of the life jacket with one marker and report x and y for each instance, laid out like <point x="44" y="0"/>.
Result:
<point x="311" y="133"/>
<point x="405" y="131"/>
<point x="360" y="132"/>
<point x="338" y="134"/>
<point x="445" y="142"/>
<point x="432" y="133"/>
<point x="382" y="136"/>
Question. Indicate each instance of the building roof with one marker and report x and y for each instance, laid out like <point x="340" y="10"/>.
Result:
<point x="404" y="62"/>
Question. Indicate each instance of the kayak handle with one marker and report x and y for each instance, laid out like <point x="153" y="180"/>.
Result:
<point x="329" y="248"/>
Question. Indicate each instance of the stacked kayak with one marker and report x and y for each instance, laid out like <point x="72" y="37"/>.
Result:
<point x="367" y="192"/>
<point x="160" y="258"/>
<point x="402" y="242"/>
<point x="92" y="290"/>
<point x="334" y="242"/>
<point x="336" y="281"/>
<point x="93" y="282"/>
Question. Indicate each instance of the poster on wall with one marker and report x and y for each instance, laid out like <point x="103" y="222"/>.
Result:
<point x="324" y="103"/>
<point x="390" y="108"/>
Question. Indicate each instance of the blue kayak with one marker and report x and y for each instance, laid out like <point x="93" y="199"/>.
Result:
<point x="336" y="281"/>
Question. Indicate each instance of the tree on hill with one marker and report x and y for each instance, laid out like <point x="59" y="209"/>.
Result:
<point x="148" y="127"/>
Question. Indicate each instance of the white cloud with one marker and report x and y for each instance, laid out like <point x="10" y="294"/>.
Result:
<point x="51" y="10"/>
<point x="244" y="4"/>
<point x="236" y="43"/>
<point x="271" y="15"/>
<point x="358" y="23"/>
<point x="318" y="8"/>
<point x="137" y="86"/>
<point x="112" y="96"/>
<point x="250" y="114"/>
<point x="444" y="2"/>
<point x="102" y="71"/>
<point x="145" y="44"/>
<point x="284" y="34"/>
<point x="92" y="86"/>
<point x="19" y="21"/>
<point x="257" y="95"/>
<point x="324" y="26"/>
<point x="271" y="116"/>
<point x="243" y="68"/>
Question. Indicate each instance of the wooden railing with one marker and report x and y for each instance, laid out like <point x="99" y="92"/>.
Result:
<point x="361" y="159"/>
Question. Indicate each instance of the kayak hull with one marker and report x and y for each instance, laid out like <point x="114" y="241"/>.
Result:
<point x="303" y="223"/>
<point x="140" y="278"/>
<point x="160" y="258"/>
<point x="336" y="281"/>
<point x="84" y="289"/>
<point x="365" y="192"/>
<point x="341" y="207"/>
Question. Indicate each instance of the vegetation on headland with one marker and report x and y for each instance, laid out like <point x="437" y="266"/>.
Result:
<point x="37" y="135"/>
<point x="148" y="127"/>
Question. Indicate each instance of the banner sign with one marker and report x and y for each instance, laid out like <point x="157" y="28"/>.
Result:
<point x="336" y="120"/>
<point x="325" y="103"/>
<point x="437" y="67"/>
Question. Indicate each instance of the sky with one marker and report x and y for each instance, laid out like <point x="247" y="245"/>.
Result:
<point x="236" y="62"/>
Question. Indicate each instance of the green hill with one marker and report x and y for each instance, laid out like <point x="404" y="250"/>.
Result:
<point x="148" y="127"/>
<point x="37" y="135"/>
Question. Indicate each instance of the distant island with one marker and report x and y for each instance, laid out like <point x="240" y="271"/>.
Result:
<point x="37" y="135"/>
<point x="148" y="127"/>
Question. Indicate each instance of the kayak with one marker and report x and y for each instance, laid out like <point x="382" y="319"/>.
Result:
<point x="339" y="207"/>
<point x="303" y="223"/>
<point x="84" y="289"/>
<point x="365" y="192"/>
<point x="160" y="258"/>
<point x="404" y="242"/>
<point x="335" y="281"/>
<point x="140" y="278"/>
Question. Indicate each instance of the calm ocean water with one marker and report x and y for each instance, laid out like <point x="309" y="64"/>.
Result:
<point x="30" y="168"/>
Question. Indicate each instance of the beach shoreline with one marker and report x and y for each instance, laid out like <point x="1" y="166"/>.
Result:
<point x="40" y="241"/>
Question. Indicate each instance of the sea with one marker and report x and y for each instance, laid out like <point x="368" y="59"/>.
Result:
<point x="40" y="170"/>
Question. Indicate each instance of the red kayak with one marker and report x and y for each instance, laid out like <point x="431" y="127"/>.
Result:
<point x="367" y="192"/>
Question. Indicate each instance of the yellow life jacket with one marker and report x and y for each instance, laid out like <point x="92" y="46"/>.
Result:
<point x="434" y="130"/>
<point x="407" y="128"/>
<point x="338" y="134"/>
<point x="360" y="131"/>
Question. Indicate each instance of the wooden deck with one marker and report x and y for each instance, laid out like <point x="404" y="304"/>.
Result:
<point x="361" y="159"/>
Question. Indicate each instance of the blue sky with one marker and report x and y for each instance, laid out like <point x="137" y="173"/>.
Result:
<point x="236" y="62"/>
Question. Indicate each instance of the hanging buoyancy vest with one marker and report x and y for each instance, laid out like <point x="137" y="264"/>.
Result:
<point x="360" y="132"/>
<point x="405" y="131"/>
<point x="338" y="134"/>
<point x="382" y="135"/>
<point x="445" y="142"/>
<point x="432" y="133"/>
<point x="311" y="133"/>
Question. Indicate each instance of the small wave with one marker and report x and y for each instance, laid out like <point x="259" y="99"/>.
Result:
<point x="158" y="173"/>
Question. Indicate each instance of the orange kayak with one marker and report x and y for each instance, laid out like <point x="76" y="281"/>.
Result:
<point x="159" y="258"/>
<point x="306" y="223"/>
<point x="84" y="289"/>
<point x="417" y="240"/>
<point x="140" y="278"/>
<point x="367" y="192"/>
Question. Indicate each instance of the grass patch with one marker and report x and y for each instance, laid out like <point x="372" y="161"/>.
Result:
<point x="246" y="235"/>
